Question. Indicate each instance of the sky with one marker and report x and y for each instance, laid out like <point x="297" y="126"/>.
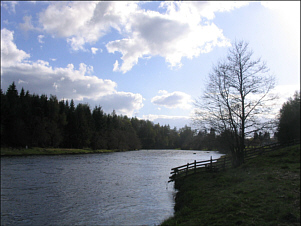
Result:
<point x="148" y="60"/>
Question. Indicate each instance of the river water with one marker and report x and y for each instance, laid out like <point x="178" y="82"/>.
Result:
<point x="122" y="188"/>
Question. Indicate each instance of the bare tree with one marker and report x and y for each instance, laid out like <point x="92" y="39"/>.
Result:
<point x="237" y="99"/>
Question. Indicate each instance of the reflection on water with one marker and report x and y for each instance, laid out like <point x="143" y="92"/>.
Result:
<point x="123" y="188"/>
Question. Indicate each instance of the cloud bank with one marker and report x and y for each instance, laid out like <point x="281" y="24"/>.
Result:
<point x="172" y="100"/>
<point x="183" y="29"/>
<point x="172" y="121"/>
<point x="66" y="83"/>
<point x="10" y="54"/>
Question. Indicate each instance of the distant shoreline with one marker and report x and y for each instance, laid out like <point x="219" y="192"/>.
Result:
<point x="50" y="151"/>
<point x="8" y="151"/>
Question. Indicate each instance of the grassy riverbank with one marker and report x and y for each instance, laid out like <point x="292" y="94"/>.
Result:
<point x="263" y="191"/>
<point x="49" y="151"/>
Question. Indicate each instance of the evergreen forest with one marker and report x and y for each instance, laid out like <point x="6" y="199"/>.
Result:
<point x="31" y="120"/>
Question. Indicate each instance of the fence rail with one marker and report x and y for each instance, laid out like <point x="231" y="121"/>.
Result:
<point x="224" y="162"/>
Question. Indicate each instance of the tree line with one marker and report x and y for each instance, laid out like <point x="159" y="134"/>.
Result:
<point x="39" y="121"/>
<point x="288" y="127"/>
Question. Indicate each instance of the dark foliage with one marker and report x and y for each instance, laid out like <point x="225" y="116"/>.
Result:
<point x="289" y="120"/>
<point x="38" y="121"/>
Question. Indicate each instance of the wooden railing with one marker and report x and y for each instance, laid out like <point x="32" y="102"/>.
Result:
<point x="224" y="162"/>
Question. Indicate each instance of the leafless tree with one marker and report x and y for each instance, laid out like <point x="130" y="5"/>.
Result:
<point x="237" y="99"/>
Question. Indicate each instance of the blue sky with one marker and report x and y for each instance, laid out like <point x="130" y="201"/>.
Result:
<point x="143" y="59"/>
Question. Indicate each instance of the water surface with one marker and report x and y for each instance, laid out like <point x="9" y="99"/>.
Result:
<point x="122" y="188"/>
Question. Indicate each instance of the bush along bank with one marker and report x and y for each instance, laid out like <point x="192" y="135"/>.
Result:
<point x="263" y="191"/>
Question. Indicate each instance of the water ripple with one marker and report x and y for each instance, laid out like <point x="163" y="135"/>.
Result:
<point x="125" y="188"/>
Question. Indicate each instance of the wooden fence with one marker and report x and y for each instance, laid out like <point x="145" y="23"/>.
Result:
<point x="224" y="162"/>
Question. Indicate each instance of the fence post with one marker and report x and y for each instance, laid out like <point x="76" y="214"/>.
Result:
<point x="187" y="169"/>
<point x="176" y="172"/>
<point x="211" y="163"/>
<point x="194" y="166"/>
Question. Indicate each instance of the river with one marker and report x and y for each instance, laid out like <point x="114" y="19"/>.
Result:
<point x="121" y="188"/>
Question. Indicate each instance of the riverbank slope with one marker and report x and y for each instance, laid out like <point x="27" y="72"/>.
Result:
<point x="263" y="191"/>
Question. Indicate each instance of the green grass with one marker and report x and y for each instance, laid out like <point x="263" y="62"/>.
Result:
<point x="49" y="151"/>
<point x="263" y="191"/>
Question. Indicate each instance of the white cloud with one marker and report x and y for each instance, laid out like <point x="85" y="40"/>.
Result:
<point x="124" y="103"/>
<point x="116" y="66"/>
<point x="152" y="117"/>
<point x="27" y="25"/>
<point x="284" y="92"/>
<point x="65" y="19"/>
<point x="198" y="10"/>
<point x="40" y="38"/>
<point x="131" y="51"/>
<point x="165" y="35"/>
<point x="162" y="92"/>
<point x="21" y="81"/>
<point x="10" y="54"/>
<point x="83" y="22"/>
<point x="70" y="83"/>
<point x="77" y="43"/>
<point x="183" y="30"/>
<point x="173" y="100"/>
<point x="172" y="121"/>
<point x="64" y="82"/>
<point x="94" y="50"/>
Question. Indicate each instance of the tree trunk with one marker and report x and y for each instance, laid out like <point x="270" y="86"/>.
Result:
<point x="237" y="157"/>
